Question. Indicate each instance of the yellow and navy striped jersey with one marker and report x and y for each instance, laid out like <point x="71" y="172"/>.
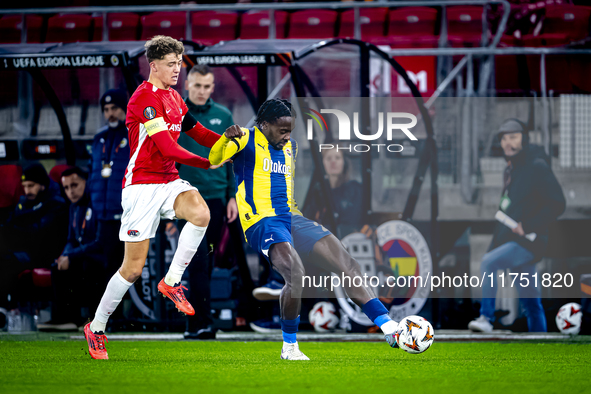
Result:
<point x="264" y="175"/>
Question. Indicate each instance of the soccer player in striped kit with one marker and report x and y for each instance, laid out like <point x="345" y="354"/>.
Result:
<point x="264" y="159"/>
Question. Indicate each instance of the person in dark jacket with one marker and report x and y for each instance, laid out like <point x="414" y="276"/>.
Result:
<point x="345" y="194"/>
<point x="79" y="266"/>
<point x="110" y="156"/>
<point x="36" y="231"/>
<point x="218" y="190"/>
<point x="533" y="198"/>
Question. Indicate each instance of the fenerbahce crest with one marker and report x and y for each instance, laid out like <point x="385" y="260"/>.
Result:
<point x="401" y="259"/>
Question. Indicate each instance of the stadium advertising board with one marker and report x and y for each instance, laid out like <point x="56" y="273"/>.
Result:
<point x="15" y="62"/>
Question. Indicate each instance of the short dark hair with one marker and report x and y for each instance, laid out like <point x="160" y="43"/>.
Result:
<point x="75" y="170"/>
<point x="202" y="69"/>
<point x="273" y="109"/>
<point x="160" y="46"/>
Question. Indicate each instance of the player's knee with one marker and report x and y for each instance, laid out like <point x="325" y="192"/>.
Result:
<point x="200" y="216"/>
<point x="131" y="273"/>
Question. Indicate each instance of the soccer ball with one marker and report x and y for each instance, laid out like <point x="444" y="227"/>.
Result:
<point x="323" y="317"/>
<point x="414" y="334"/>
<point x="568" y="318"/>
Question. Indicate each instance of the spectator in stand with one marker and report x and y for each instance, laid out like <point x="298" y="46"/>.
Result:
<point x="345" y="195"/>
<point x="110" y="156"/>
<point x="79" y="268"/>
<point x="35" y="233"/>
<point x="218" y="190"/>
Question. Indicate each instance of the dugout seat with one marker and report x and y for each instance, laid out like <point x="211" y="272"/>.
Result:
<point x="373" y="24"/>
<point x="55" y="174"/>
<point x="255" y="25"/>
<point x="11" y="27"/>
<point x="413" y="27"/>
<point x="123" y="26"/>
<point x="211" y="27"/>
<point x="313" y="24"/>
<point x="40" y="277"/>
<point x="69" y="28"/>
<point x="464" y="25"/>
<point x="10" y="185"/>
<point x="166" y="23"/>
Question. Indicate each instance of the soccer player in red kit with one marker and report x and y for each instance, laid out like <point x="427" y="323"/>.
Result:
<point x="152" y="189"/>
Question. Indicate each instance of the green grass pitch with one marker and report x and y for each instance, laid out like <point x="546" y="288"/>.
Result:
<point x="221" y="367"/>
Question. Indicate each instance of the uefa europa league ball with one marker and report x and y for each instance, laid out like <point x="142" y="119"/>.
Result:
<point x="324" y="317"/>
<point x="569" y="317"/>
<point x="414" y="334"/>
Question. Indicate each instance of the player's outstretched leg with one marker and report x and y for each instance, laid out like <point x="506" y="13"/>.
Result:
<point x="131" y="269"/>
<point x="287" y="262"/>
<point x="190" y="206"/>
<point x="330" y="254"/>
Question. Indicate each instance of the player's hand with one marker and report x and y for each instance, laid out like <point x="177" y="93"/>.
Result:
<point x="213" y="167"/>
<point x="519" y="229"/>
<point x="234" y="131"/>
<point x="232" y="210"/>
<point x="63" y="263"/>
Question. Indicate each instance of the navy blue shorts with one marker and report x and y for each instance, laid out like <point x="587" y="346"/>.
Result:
<point x="300" y="232"/>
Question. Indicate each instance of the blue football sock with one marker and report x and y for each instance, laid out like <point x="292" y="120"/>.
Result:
<point x="289" y="329"/>
<point x="376" y="311"/>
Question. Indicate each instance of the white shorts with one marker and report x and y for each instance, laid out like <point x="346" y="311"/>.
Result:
<point x="144" y="205"/>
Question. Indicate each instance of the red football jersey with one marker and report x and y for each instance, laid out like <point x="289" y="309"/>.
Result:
<point x="152" y="110"/>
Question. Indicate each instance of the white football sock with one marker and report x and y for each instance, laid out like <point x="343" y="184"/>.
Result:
<point x="189" y="241"/>
<point x="389" y="327"/>
<point x="115" y="291"/>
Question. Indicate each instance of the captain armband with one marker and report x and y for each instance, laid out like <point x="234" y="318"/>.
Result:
<point x="155" y="126"/>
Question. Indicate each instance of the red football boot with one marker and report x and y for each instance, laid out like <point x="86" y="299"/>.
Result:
<point x="177" y="296"/>
<point x="96" y="344"/>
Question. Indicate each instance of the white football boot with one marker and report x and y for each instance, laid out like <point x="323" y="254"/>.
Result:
<point x="391" y="338"/>
<point x="291" y="351"/>
<point x="482" y="324"/>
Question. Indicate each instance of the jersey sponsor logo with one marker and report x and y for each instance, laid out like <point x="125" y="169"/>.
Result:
<point x="174" y="127"/>
<point x="133" y="233"/>
<point x="215" y="121"/>
<point x="276" y="167"/>
<point x="149" y="113"/>
<point x="288" y="152"/>
<point x="167" y="111"/>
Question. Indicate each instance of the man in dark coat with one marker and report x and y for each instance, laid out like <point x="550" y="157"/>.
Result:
<point x="35" y="233"/>
<point x="110" y="157"/>
<point x="79" y="268"/>
<point x="533" y="198"/>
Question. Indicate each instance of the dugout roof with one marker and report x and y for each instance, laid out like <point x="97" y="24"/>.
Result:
<point x="74" y="55"/>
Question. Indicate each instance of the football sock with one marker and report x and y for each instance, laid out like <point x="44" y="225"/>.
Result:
<point x="189" y="241"/>
<point x="289" y="328"/>
<point x="377" y="313"/>
<point x="114" y="292"/>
